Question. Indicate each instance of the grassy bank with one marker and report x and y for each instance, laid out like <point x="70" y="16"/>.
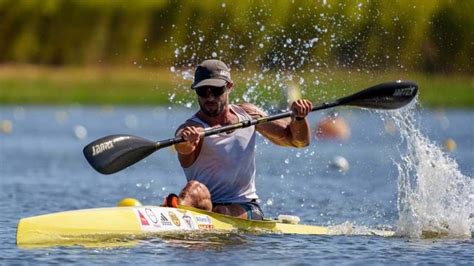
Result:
<point x="151" y="86"/>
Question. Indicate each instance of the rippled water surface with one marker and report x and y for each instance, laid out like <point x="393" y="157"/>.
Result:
<point x="42" y="170"/>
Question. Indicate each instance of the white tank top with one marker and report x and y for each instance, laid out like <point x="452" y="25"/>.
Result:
<point x="226" y="163"/>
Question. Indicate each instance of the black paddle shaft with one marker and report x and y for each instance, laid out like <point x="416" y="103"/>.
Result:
<point x="113" y="153"/>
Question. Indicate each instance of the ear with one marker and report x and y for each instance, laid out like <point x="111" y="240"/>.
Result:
<point x="229" y="85"/>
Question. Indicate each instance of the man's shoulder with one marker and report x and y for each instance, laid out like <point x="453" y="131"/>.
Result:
<point x="252" y="109"/>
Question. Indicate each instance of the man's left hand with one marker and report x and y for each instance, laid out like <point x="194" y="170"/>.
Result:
<point x="301" y="108"/>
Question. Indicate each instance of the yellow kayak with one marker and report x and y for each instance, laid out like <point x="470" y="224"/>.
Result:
<point x="120" y="224"/>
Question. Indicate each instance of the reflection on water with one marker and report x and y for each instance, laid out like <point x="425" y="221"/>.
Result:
<point x="201" y="240"/>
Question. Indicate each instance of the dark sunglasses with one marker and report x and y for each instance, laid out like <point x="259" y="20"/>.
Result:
<point x="215" y="91"/>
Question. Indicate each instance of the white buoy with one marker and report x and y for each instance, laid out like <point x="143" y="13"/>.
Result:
<point x="80" y="132"/>
<point x="340" y="163"/>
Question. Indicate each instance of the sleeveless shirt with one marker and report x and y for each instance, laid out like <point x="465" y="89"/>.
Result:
<point x="226" y="163"/>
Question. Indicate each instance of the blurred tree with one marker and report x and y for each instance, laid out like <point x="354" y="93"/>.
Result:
<point x="422" y="35"/>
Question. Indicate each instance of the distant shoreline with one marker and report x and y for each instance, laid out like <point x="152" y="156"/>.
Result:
<point x="27" y="84"/>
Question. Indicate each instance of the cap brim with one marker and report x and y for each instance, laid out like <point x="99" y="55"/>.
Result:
<point x="210" y="82"/>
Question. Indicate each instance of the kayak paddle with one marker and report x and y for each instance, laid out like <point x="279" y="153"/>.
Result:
<point x="113" y="153"/>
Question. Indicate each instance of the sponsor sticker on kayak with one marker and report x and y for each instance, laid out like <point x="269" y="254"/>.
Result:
<point x="143" y="220"/>
<point x="188" y="221"/>
<point x="164" y="220"/>
<point x="174" y="218"/>
<point x="147" y="218"/>
<point x="204" y="222"/>
<point x="153" y="219"/>
<point x="206" y="226"/>
<point x="203" y="219"/>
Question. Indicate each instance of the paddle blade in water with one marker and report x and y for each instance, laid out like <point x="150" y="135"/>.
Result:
<point x="113" y="153"/>
<point x="390" y="95"/>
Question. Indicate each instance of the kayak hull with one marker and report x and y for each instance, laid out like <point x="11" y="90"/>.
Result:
<point x="120" y="224"/>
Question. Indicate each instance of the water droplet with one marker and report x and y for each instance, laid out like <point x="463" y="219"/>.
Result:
<point x="269" y="202"/>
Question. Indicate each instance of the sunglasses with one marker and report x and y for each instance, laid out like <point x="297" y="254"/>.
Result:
<point x="204" y="92"/>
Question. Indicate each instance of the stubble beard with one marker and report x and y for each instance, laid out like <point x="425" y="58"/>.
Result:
<point x="214" y="112"/>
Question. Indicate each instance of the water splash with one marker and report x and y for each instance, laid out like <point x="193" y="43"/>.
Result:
<point x="265" y="56"/>
<point x="434" y="197"/>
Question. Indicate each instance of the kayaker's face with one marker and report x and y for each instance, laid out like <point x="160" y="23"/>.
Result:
<point x="212" y="100"/>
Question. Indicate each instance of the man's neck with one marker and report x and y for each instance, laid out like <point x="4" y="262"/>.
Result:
<point x="227" y="117"/>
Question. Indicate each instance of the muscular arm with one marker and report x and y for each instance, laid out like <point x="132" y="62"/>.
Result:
<point x="284" y="132"/>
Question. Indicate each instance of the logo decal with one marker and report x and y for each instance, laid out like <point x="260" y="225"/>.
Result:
<point x="188" y="221"/>
<point x="100" y="148"/>
<point x="107" y="145"/>
<point x="206" y="226"/>
<point x="203" y="220"/>
<point x="164" y="220"/>
<point x="151" y="215"/>
<point x="143" y="220"/>
<point x="404" y="91"/>
<point x="174" y="218"/>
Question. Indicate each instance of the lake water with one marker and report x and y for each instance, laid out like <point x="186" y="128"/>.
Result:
<point x="399" y="177"/>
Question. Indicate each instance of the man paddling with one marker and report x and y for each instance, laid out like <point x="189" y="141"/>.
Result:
<point x="220" y="169"/>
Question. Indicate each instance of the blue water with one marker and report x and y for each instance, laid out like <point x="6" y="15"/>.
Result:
<point x="42" y="170"/>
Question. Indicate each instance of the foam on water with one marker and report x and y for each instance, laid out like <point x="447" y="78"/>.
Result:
<point x="348" y="228"/>
<point x="434" y="197"/>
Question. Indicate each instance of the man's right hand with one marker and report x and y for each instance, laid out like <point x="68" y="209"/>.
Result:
<point x="192" y="135"/>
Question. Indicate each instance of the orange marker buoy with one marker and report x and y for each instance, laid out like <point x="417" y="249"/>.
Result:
<point x="333" y="128"/>
<point x="6" y="126"/>
<point x="449" y="144"/>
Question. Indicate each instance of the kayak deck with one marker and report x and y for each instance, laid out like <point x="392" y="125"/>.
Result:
<point x="119" y="224"/>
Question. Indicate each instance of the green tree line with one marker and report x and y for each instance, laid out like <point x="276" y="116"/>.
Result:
<point x="430" y="36"/>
